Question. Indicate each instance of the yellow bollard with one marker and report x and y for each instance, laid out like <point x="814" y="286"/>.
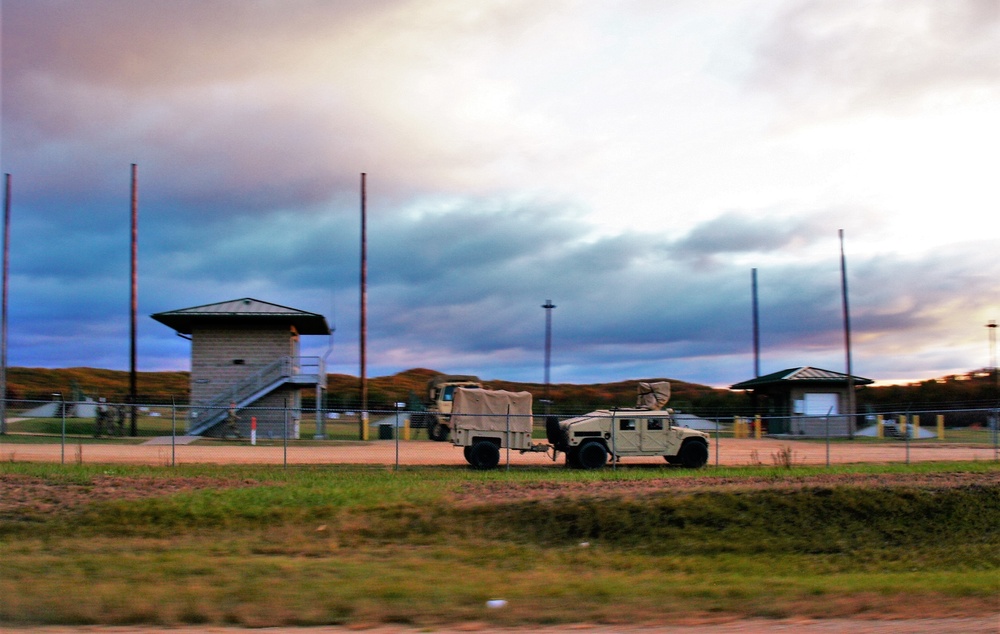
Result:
<point x="903" y="428"/>
<point x="756" y="426"/>
<point x="364" y="428"/>
<point x="916" y="426"/>
<point x="406" y="428"/>
<point x="940" y="426"/>
<point x="878" y="427"/>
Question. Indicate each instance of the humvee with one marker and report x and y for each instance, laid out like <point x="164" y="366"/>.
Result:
<point x="649" y="429"/>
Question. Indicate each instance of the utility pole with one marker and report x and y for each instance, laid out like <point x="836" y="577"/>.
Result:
<point x="3" y="327"/>
<point x="847" y="338"/>
<point x="756" y="326"/>
<point x="364" y="307"/>
<point x="134" y="304"/>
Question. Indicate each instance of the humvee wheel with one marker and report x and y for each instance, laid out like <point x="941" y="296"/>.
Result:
<point x="467" y="451"/>
<point x="573" y="457"/>
<point x="437" y="431"/>
<point x="693" y="455"/>
<point x="484" y="455"/>
<point x="592" y="455"/>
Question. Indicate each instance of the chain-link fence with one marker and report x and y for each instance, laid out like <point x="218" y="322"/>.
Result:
<point x="157" y="434"/>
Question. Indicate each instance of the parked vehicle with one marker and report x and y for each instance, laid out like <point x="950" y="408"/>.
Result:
<point x="486" y="421"/>
<point x="436" y="417"/>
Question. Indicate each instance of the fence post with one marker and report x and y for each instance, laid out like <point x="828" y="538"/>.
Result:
<point x="614" y="442"/>
<point x="716" y="443"/>
<point x="62" y="443"/>
<point x="173" y="432"/>
<point x="903" y="418"/>
<point x="284" y="436"/>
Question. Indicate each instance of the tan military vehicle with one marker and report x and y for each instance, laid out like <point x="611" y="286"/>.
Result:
<point x="486" y="421"/>
<point x="649" y="429"/>
<point x="440" y="396"/>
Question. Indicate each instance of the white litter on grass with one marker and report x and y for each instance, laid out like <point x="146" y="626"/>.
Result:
<point x="584" y="544"/>
<point x="496" y="603"/>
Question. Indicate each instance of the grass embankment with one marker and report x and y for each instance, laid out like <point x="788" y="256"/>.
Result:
<point x="258" y="546"/>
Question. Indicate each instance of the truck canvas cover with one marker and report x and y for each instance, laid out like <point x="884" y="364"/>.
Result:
<point x="488" y="410"/>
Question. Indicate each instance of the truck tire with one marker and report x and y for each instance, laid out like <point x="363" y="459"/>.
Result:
<point x="467" y="451"/>
<point x="573" y="457"/>
<point x="693" y="455"/>
<point x="484" y="455"/>
<point x="436" y="430"/>
<point x="592" y="455"/>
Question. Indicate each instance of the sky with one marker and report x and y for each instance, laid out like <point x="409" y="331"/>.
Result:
<point x="634" y="161"/>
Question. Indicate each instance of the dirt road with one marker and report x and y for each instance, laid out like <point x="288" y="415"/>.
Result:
<point x="728" y="452"/>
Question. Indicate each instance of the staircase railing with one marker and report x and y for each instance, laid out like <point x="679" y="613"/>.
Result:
<point x="269" y="375"/>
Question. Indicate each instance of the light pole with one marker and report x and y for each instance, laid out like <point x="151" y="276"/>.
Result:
<point x="548" y="306"/>
<point x="992" y="325"/>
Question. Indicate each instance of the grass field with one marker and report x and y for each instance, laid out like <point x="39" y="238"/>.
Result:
<point x="263" y="546"/>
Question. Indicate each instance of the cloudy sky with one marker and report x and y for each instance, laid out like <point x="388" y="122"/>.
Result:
<point x="631" y="160"/>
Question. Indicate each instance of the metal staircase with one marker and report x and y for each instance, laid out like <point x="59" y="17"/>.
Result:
<point x="286" y="370"/>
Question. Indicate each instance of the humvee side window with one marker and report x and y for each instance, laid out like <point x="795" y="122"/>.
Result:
<point x="654" y="424"/>
<point x="627" y="424"/>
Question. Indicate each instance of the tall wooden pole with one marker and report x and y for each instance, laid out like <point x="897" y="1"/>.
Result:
<point x="3" y="327"/>
<point x="134" y="304"/>
<point x="847" y="338"/>
<point x="364" y="304"/>
<point x="756" y="326"/>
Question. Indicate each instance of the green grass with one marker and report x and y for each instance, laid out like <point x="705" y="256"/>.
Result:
<point x="261" y="546"/>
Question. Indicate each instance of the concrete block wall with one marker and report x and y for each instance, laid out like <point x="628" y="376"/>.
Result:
<point x="221" y="357"/>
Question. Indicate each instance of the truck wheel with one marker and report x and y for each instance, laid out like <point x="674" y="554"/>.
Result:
<point x="484" y="455"/>
<point x="592" y="455"/>
<point x="467" y="451"/>
<point x="573" y="457"/>
<point x="694" y="455"/>
<point x="437" y="431"/>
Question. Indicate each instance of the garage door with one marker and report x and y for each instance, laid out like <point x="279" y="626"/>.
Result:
<point x="821" y="404"/>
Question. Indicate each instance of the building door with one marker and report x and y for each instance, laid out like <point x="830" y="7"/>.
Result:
<point x="821" y="404"/>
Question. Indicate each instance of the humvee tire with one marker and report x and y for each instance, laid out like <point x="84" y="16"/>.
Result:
<point x="693" y="455"/>
<point x="467" y="451"/>
<point x="592" y="455"/>
<point x="484" y="455"/>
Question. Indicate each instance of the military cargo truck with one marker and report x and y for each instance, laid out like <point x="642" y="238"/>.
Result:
<point x="436" y="417"/>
